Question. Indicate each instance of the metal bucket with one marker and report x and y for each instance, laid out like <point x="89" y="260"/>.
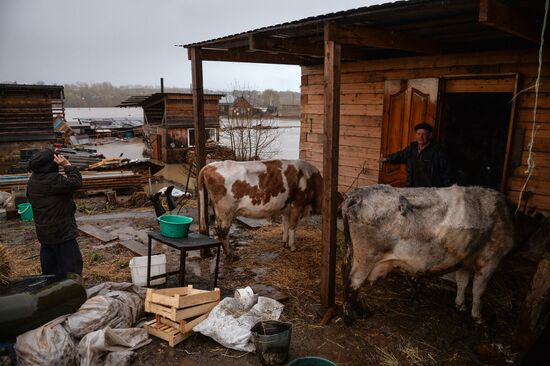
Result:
<point x="272" y="341"/>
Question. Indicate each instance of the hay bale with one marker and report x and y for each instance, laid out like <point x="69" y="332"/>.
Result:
<point x="5" y="268"/>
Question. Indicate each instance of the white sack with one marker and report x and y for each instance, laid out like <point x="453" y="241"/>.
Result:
<point x="49" y="345"/>
<point x="5" y="199"/>
<point x="229" y="323"/>
<point x="111" y="347"/>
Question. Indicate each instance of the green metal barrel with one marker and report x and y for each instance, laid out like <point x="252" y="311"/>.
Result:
<point x="30" y="302"/>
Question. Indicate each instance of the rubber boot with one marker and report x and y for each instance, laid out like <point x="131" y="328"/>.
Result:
<point x="159" y="210"/>
<point x="169" y="199"/>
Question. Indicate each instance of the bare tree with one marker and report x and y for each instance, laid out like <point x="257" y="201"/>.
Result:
<point x="251" y="137"/>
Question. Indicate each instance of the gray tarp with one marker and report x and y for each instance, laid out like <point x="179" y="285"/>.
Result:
<point x="110" y="305"/>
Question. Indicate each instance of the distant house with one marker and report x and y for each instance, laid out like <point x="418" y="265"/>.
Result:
<point x="169" y="127"/>
<point x="27" y="115"/>
<point x="226" y="102"/>
<point x="241" y="107"/>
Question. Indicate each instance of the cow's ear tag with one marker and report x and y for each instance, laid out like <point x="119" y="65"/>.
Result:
<point x="404" y="206"/>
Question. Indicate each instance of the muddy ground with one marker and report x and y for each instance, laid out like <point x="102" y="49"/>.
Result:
<point x="411" y="322"/>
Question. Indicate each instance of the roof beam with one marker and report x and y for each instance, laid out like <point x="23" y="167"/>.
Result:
<point x="295" y="47"/>
<point x="254" y="57"/>
<point x="372" y="37"/>
<point x="508" y="19"/>
<point x="281" y="45"/>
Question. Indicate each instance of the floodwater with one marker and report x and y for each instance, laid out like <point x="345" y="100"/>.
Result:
<point x="285" y="146"/>
<point x="131" y="149"/>
<point x="72" y="114"/>
<point x="286" y="135"/>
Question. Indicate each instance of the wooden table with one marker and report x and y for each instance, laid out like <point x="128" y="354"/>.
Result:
<point x="193" y="242"/>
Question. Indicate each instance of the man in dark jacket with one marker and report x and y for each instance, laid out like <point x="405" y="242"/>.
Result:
<point x="50" y="194"/>
<point x="427" y="163"/>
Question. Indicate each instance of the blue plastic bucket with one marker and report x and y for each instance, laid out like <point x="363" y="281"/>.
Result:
<point x="25" y="211"/>
<point x="174" y="226"/>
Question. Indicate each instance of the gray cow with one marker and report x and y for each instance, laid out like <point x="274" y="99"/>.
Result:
<point x="424" y="231"/>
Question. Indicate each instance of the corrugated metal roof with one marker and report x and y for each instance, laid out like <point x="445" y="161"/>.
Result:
<point x="317" y="18"/>
<point x="141" y="100"/>
<point x="30" y="88"/>
<point x="449" y="25"/>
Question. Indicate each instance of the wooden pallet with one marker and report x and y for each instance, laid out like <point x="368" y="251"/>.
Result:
<point x="163" y="331"/>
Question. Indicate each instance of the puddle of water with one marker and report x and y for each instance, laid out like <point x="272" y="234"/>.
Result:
<point x="117" y="216"/>
<point x="268" y="256"/>
<point x="128" y="232"/>
<point x="193" y="266"/>
<point x="259" y="272"/>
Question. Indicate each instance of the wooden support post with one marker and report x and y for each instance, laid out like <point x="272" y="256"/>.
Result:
<point x="330" y="168"/>
<point x="198" y="118"/>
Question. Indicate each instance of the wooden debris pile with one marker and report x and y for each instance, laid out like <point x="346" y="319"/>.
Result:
<point x="141" y="166"/>
<point x="108" y="163"/>
<point x="177" y="310"/>
<point x="213" y="152"/>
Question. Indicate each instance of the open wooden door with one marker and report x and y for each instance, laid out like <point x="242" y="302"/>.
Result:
<point x="406" y="104"/>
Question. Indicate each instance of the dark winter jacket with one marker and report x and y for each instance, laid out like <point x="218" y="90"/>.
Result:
<point x="50" y="194"/>
<point x="429" y="168"/>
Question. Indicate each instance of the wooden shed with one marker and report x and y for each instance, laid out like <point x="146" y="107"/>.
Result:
<point x="468" y="67"/>
<point x="168" y="122"/>
<point x="27" y="114"/>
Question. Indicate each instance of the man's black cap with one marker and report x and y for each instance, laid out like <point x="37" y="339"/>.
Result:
<point x="42" y="162"/>
<point x="424" y="126"/>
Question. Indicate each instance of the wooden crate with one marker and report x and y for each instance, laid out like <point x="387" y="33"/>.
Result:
<point x="166" y="332"/>
<point x="181" y="297"/>
<point x="176" y="315"/>
<point x="177" y="311"/>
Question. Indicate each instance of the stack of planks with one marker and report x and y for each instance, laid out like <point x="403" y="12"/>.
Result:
<point x="90" y="180"/>
<point x="111" y="180"/>
<point x="177" y="310"/>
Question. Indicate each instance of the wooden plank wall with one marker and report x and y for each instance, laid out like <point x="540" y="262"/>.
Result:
<point x="362" y="94"/>
<point x="179" y="111"/>
<point x="26" y="117"/>
<point x="154" y="113"/>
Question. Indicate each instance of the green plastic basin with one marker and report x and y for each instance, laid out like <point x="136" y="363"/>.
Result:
<point x="174" y="226"/>
<point x="311" y="361"/>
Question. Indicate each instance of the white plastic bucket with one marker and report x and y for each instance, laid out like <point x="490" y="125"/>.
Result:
<point x="138" y="268"/>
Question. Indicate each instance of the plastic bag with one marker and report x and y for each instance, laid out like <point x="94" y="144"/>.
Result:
<point x="111" y="346"/>
<point x="115" y="309"/>
<point x="50" y="344"/>
<point x="105" y="287"/>
<point x="229" y="323"/>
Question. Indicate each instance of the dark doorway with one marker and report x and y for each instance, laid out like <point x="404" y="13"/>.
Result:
<point x="474" y="129"/>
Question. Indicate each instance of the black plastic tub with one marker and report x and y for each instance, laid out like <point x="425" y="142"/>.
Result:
<point x="29" y="302"/>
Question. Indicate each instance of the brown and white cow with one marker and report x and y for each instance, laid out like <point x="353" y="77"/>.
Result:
<point x="424" y="231"/>
<point x="260" y="189"/>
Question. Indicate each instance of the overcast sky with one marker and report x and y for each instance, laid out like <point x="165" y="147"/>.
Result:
<point x="129" y="42"/>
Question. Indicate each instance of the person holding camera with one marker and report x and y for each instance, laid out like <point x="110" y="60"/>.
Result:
<point x="50" y="194"/>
